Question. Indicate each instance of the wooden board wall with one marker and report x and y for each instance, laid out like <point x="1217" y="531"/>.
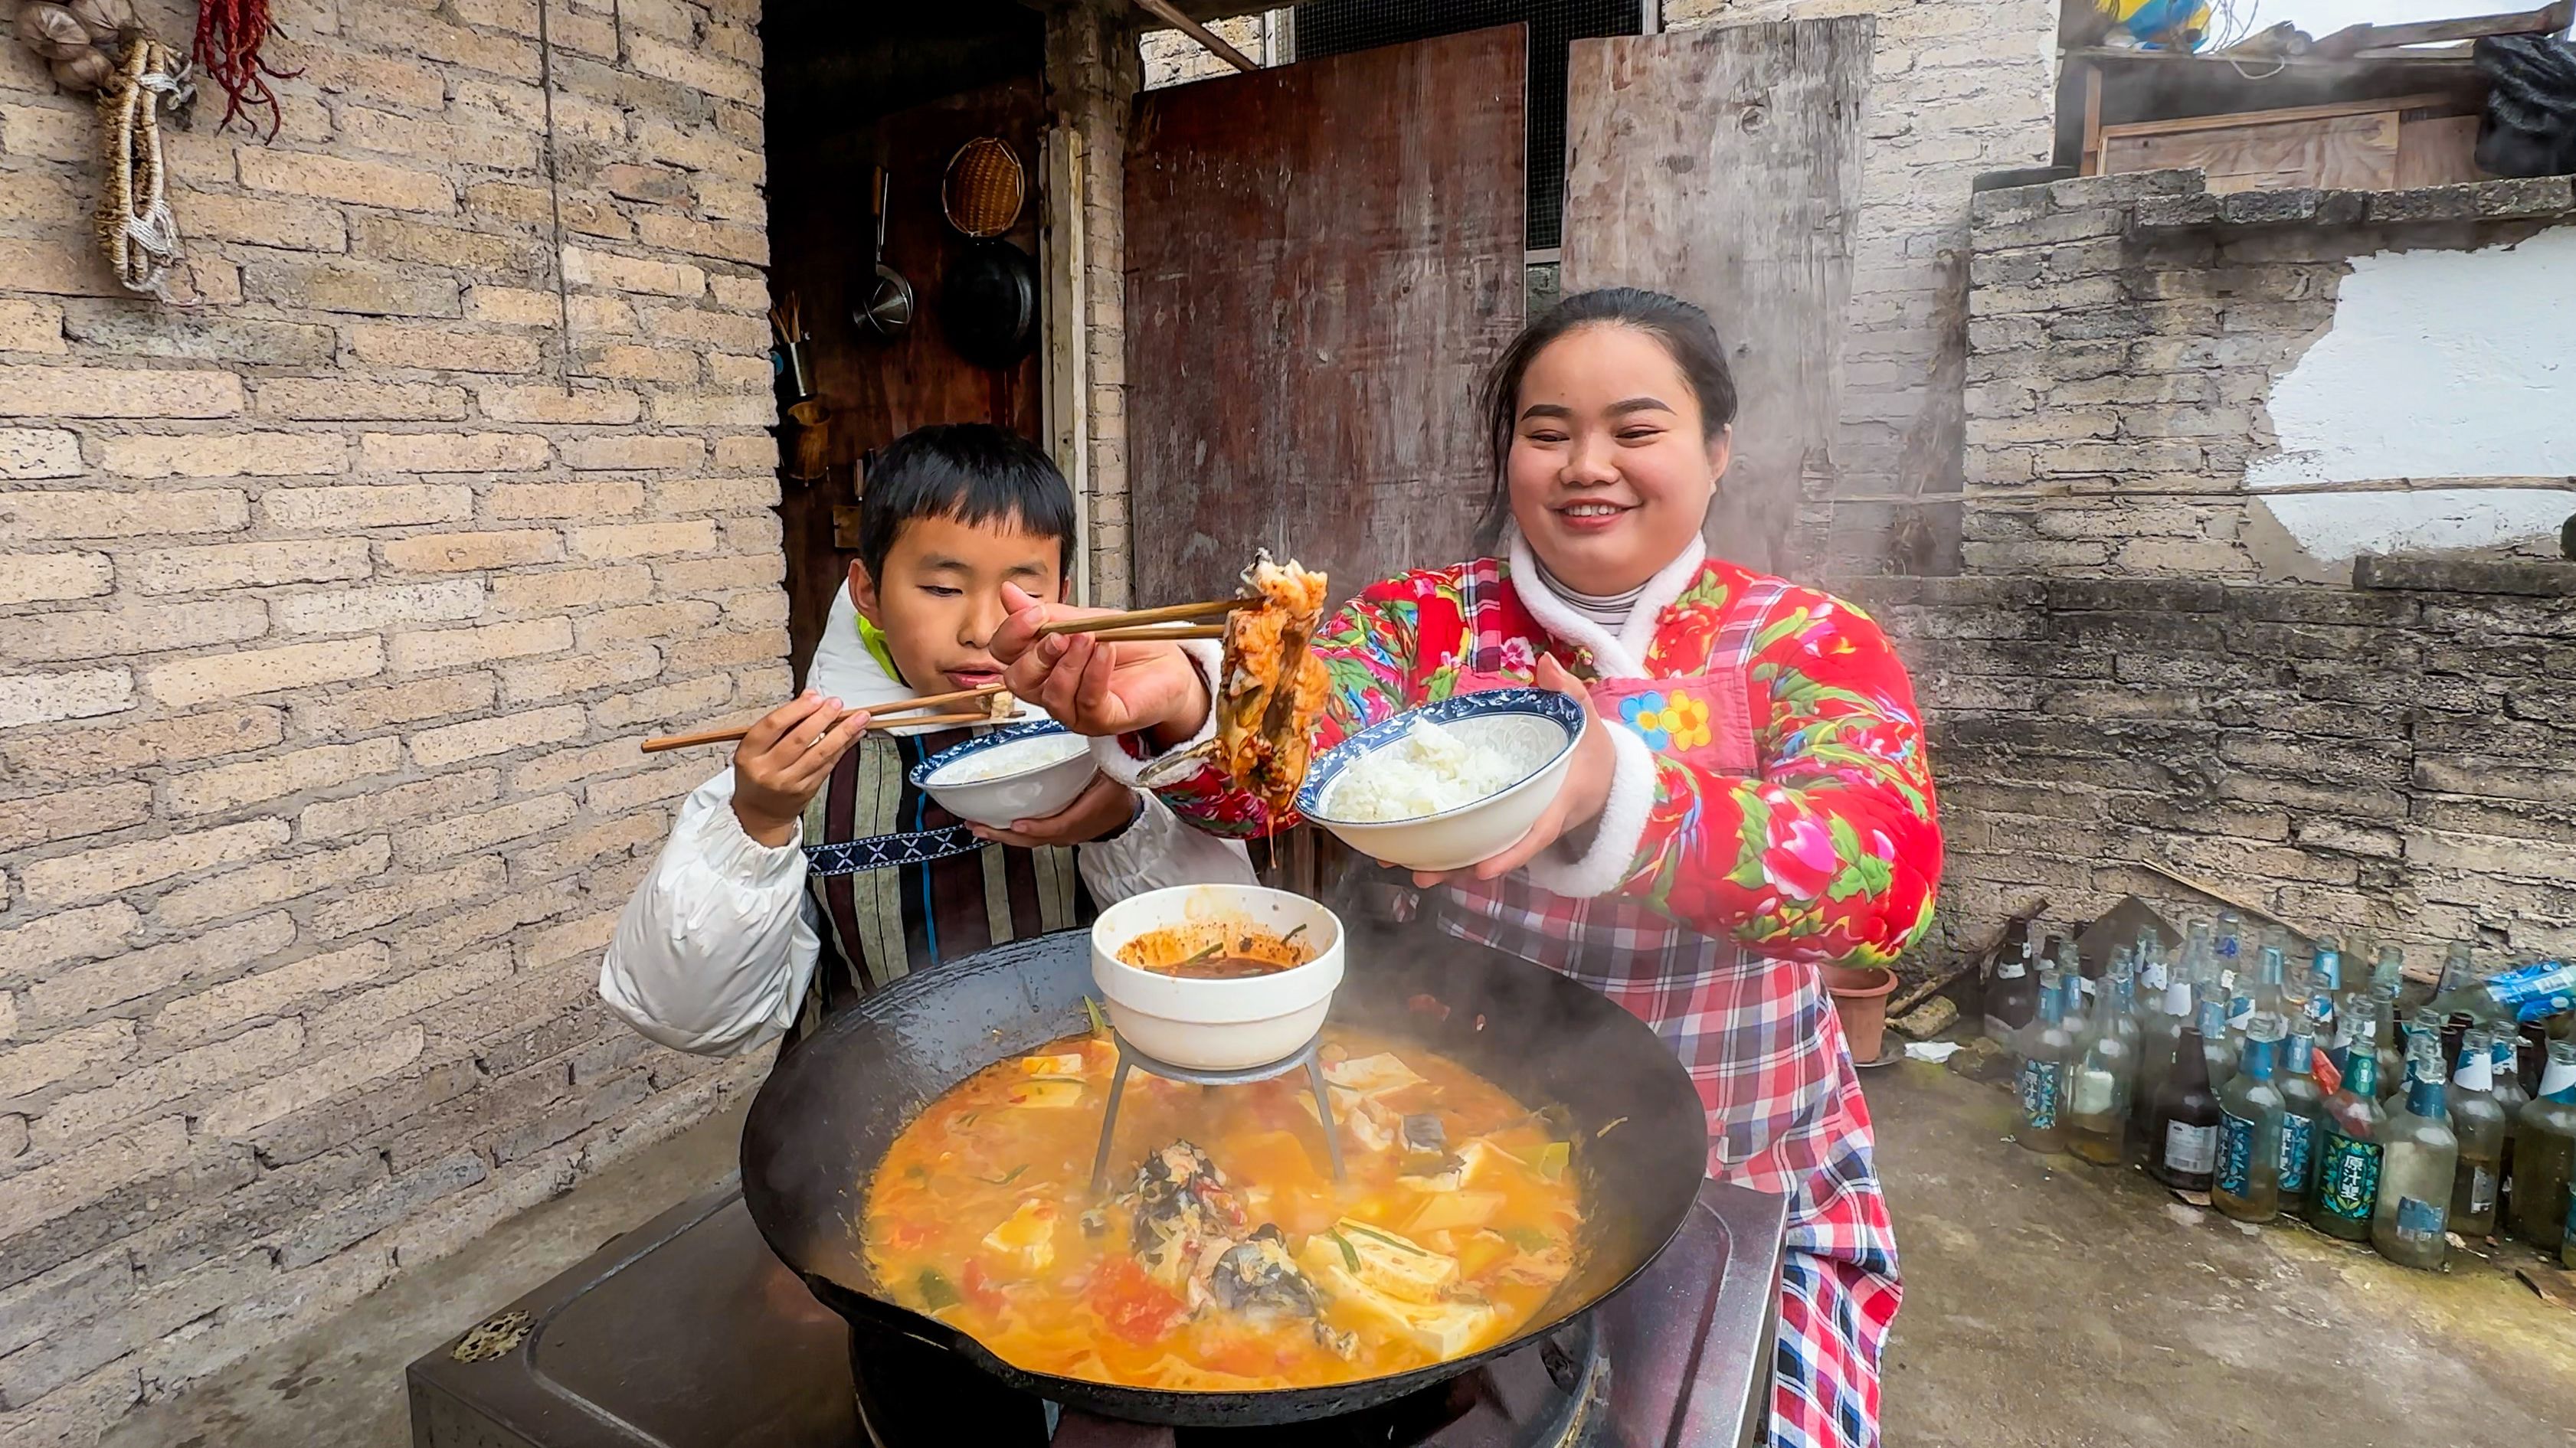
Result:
<point x="1723" y="166"/>
<point x="876" y="390"/>
<point x="1322" y="262"/>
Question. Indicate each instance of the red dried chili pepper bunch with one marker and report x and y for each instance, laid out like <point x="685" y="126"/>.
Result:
<point x="229" y="35"/>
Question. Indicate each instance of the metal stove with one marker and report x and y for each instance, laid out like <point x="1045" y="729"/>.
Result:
<point x="687" y="1333"/>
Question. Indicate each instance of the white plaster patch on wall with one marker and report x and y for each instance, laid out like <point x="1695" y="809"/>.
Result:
<point x="2439" y="364"/>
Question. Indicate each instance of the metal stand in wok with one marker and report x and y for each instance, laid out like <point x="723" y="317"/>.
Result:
<point x="1308" y="1056"/>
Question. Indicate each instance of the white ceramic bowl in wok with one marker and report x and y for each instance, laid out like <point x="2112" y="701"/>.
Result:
<point x="1217" y="1025"/>
<point x="1539" y="726"/>
<point x="1021" y="772"/>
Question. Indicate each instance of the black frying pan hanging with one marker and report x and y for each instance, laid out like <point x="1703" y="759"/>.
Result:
<point x="989" y="301"/>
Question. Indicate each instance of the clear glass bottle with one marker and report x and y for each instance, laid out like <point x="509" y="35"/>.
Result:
<point x="2302" y="1104"/>
<point x="2511" y="1096"/>
<point x="2184" y="1131"/>
<point x="2250" y="1107"/>
<point x="2458" y="970"/>
<point x="2414" y="1209"/>
<point x="2350" y="1150"/>
<point x="2389" y="970"/>
<point x="2227" y="946"/>
<point x="2012" y="999"/>
<point x="2388" y="1044"/>
<point x="2217" y="1045"/>
<point x="2479" y="1122"/>
<point x="2158" y="1040"/>
<point x="2106" y="1073"/>
<point x="2325" y="998"/>
<point x="2264" y="990"/>
<point x="2049" y="1049"/>
<point x="2544" y="1153"/>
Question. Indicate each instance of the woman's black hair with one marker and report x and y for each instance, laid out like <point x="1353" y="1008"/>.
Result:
<point x="1685" y="331"/>
<point x="969" y="472"/>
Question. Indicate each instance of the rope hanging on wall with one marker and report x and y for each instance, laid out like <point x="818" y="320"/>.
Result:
<point x="135" y="224"/>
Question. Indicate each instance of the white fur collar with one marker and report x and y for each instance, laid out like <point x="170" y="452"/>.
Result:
<point x="1622" y="656"/>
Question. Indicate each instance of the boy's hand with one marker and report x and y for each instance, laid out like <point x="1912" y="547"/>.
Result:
<point x="1104" y="807"/>
<point x="1095" y="688"/>
<point x="784" y="759"/>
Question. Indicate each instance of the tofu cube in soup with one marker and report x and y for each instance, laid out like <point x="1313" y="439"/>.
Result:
<point x="1026" y="1238"/>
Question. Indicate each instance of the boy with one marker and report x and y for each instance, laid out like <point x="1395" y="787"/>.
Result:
<point x="812" y="871"/>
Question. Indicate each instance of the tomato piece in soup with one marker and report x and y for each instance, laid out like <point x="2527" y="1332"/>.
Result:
<point x="1135" y="1306"/>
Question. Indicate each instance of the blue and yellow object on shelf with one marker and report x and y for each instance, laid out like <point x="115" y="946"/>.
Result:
<point x="2158" y="24"/>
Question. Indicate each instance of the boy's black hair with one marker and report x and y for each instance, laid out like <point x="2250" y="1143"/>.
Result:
<point x="970" y="472"/>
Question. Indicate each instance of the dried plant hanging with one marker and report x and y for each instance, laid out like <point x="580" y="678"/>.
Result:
<point x="229" y="36"/>
<point x="135" y="225"/>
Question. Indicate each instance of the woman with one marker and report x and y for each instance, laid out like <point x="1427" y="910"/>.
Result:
<point x="1749" y="800"/>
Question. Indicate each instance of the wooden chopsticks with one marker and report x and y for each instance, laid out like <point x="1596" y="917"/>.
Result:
<point x="876" y="719"/>
<point x="1128" y="624"/>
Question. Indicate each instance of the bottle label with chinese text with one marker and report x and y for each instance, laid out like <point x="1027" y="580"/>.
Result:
<point x="2298" y="1149"/>
<point x="2348" y="1176"/>
<point x="2093" y="1091"/>
<point x="2235" y="1154"/>
<point x="2190" y="1150"/>
<point x="2040" y="1081"/>
<point x="2419" y="1221"/>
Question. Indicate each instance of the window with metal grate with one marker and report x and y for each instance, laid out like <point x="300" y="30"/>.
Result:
<point x="1337" y="27"/>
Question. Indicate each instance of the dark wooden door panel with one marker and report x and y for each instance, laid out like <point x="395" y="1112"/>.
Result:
<point x="1322" y="261"/>
<point x="1723" y="166"/>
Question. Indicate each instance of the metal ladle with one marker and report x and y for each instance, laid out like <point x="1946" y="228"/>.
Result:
<point x="889" y="306"/>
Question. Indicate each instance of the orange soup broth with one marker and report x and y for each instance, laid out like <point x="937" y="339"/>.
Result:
<point x="979" y="1157"/>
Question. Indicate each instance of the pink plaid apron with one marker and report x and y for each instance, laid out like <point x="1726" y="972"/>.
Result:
<point x="1761" y="1042"/>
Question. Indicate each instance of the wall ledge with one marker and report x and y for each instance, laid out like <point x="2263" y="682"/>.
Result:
<point x="2530" y="579"/>
<point x="2195" y="208"/>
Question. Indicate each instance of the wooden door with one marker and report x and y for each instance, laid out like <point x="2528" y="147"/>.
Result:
<point x="875" y="389"/>
<point x="1723" y="166"/>
<point x="1322" y="262"/>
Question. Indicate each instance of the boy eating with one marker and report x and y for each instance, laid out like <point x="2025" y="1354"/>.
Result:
<point x="812" y="871"/>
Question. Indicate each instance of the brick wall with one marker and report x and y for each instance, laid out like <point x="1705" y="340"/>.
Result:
<point x="1959" y="87"/>
<point x="2395" y="762"/>
<point x="329" y="613"/>
<point x="1093" y="74"/>
<point x="2128" y="333"/>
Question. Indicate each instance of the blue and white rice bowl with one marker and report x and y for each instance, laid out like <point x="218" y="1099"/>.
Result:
<point x="1538" y="727"/>
<point x="1018" y="772"/>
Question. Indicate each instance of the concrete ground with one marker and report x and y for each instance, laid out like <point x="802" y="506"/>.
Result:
<point x="2049" y="1304"/>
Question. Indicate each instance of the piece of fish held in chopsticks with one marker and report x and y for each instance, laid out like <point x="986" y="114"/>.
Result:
<point x="1273" y="689"/>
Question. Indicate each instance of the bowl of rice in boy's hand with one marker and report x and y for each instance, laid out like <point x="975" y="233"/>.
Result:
<point x="1450" y="784"/>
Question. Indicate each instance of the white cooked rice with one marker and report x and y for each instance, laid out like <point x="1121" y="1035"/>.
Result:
<point x="1428" y="771"/>
<point x="1020" y="756"/>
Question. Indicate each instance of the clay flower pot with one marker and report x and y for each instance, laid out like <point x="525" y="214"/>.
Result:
<point x="1860" y="998"/>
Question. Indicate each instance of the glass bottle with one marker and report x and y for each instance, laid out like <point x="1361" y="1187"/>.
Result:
<point x="2350" y="1149"/>
<point x="2049" y="1048"/>
<point x="2457" y="970"/>
<point x="2544" y="1152"/>
<point x="2250" y="1107"/>
<point x="2415" y="1176"/>
<point x="2325" y="997"/>
<point x="2511" y="1096"/>
<point x="2106" y="1073"/>
<point x="2479" y="1122"/>
<point x="2263" y="990"/>
<point x="2387" y="1043"/>
<point x="2083" y="992"/>
<point x="2184" y="1132"/>
<point x="2217" y="1045"/>
<point x="2301" y="1106"/>
<point x="2227" y="946"/>
<point x="2158" y="1041"/>
<point x="2012" y="999"/>
<point x="2389" y="971"/>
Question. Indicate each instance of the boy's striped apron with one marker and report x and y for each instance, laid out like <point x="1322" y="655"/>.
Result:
<point x="902" y="885"/>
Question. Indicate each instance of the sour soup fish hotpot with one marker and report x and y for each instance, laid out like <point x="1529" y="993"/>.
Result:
<point x="836" y="1102"/>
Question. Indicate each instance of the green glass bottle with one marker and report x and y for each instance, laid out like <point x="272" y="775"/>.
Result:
<point x="2106" y="1073"/>
<point x="2048" y="1052"/>
<point x="2544" y="1153"/>
<point x="2479" y="1122"/>
<point x="2302" y="1104"/>
<point x="2413" y="1216"/>
<point x="2349" y="1153"/>
<point x="2250" y="1107"/>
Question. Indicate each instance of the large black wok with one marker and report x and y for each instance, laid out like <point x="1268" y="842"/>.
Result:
<point x="835" y="1103"/>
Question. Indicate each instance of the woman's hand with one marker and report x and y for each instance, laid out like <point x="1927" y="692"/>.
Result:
<point x="1103" y="808"/>
<point x="1095" y="688"/>
<point x="784" y="759"/>
<point x="1578" y="802"/>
